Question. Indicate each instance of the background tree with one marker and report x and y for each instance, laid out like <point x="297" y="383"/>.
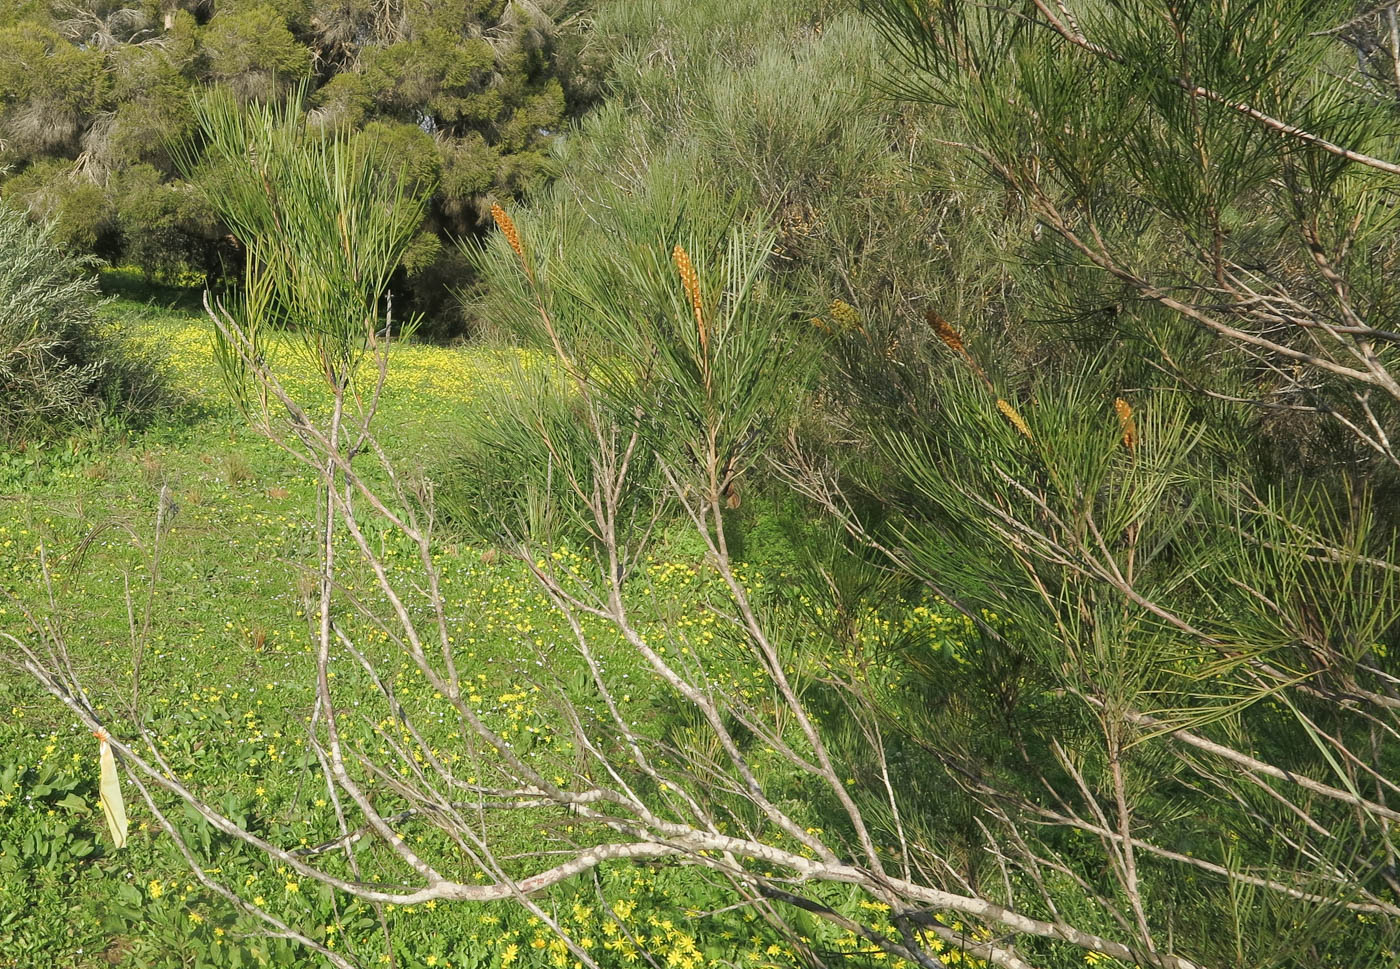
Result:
<point x="92" y="90"/>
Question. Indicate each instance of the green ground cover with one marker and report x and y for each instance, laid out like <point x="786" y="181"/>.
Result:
<point x="225" y="689"/>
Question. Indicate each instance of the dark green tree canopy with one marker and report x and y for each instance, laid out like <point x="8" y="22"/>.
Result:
<point x="94" y="94"/>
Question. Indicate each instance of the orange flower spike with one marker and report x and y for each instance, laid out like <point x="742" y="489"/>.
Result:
<point x="953" y="340"/>
<point x="946" y="333"/>
<point x="507" y="226"/>
<point x="1126" y="423"/>
<point x="1014" y="416"/>
<point x="690" y="280"/>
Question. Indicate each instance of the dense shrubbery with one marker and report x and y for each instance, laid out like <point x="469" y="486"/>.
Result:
<point x="95" y="95"/>
<point x="59" y="366"/>
<point x="777" y="109"/>
<point x="1165" y="401"/>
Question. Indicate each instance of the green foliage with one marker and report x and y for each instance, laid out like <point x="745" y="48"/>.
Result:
<point x="1047" y="553"/>
<point x="1119" y="544"/>
<point x="250" y="50"/>
<point x="79" y="211"/>
<point x="94" y="96"/>
<point x="714" y="363"/>
<point x="158" y="221"/>
<point x="395" y="146"/>
<point x="153" y="112"/>
<point x="521" y="470"/>
<point x="58" y="365"/>
<point x="1144" y="546"/>
<point x="776" y="109"/>
<point x="435" y="72"/>
<point x="218" y="692"/>
<point x="663" y="312"/>
<point x="325" y="224"/>
<point x="49" y="91"/>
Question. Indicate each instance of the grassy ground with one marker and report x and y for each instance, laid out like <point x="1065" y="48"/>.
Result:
<point x="224" y="688"/>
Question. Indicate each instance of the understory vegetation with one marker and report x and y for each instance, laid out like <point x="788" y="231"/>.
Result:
<point x="920" y="490"/>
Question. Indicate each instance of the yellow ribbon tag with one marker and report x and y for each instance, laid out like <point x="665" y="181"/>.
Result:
<point x="110" y="792"/>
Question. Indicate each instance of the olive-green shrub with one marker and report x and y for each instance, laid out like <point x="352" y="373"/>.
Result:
<point x="59" y="365"/>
